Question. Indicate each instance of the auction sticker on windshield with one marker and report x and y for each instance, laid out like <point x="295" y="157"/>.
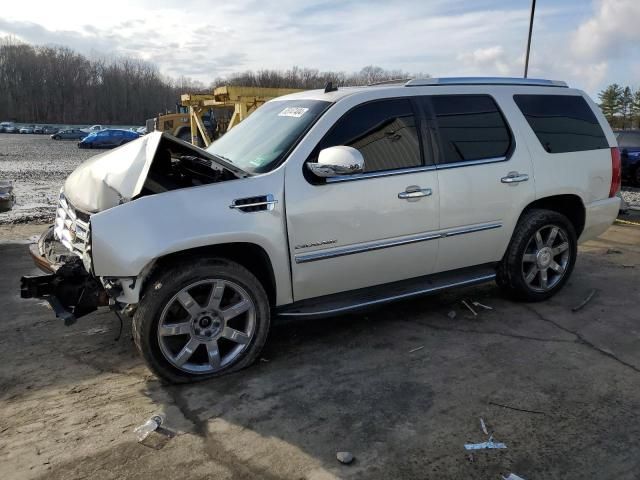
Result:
<point x="296" y="112"/>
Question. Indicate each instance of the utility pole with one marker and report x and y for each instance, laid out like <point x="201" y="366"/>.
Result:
<point x="526" y="62"/>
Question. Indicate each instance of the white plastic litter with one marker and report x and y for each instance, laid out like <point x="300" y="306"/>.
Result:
<point x="149" y="426"/>
<point x="484" y="427"/>
<point x="484" y="445"/>
<point x="478" y="304"/>
<point x="512" y="476"/>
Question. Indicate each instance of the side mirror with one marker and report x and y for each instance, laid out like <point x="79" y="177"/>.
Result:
<point x="338" y="160"/>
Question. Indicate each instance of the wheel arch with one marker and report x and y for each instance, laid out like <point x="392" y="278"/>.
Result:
<point x="569" y="205"/>
<point x="250" y="255"/>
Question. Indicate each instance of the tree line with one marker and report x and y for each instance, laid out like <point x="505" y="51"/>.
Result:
<point x="43" y="84"/>
<point x="53" y="84"/>
<point x="621" y="106"/>
<point x="308" y="78"/>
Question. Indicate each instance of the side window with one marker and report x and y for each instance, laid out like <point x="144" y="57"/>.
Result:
<point x="383" y="131"/>
<point x="471" y="127"/>
<point x="562" y="123"/>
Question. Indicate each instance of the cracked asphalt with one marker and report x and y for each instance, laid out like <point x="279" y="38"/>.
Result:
<point x="560" y="388"/>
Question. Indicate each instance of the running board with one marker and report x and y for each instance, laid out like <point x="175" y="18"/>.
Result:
<point x="344" y="302"/>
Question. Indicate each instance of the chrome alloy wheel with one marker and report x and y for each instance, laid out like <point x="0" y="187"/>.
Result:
<point x="206" y="326"/>
<point x="546" y="258"/>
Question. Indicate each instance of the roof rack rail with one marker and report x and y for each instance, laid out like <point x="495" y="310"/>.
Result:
<point x="391" y="81"/>
<point x="539" y="82"/>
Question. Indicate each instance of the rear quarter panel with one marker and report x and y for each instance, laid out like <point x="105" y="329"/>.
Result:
<point x="586" y="174"/>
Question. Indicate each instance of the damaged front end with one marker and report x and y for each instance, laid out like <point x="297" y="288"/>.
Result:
<point x="68" y="286"/>
<point x="151" y="165"/>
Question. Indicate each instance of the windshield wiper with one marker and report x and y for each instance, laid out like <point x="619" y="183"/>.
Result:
<point x="223" y="158"/>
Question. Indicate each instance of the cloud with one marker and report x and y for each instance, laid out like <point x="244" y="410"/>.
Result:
<point x="611" y="32"/>
<point x="583" y="42"/>
<point x="489" y="60"/>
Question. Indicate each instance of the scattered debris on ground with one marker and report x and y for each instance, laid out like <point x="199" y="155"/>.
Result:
<point x="483" y="427"/>
<point x="587" y="299"/>
<point x="345" y="457"/>
<point x="464" y="302"/>
<point x="153" y="433"/>
<point x="451" y="314"/>
<point x="489" y="444"/>
<point x="478" y="304"/>
<point x="516" y="409"/>
<point x="512" y="476"/>
<point x="416" y="349"/>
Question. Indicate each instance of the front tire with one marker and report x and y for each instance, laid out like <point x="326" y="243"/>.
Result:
<point x="201" y="319"/>
<point x="540" y="256"/>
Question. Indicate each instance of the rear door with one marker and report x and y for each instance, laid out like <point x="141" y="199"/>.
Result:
<point x="485" y="178"/>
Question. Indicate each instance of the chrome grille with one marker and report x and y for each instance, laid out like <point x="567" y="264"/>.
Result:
<point x="69" y="229"/>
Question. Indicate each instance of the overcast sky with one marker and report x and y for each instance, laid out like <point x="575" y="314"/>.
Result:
<point x="589" y="43"/>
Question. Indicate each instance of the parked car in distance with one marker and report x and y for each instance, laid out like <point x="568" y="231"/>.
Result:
<point x="392" y="192"/>
<point x="38" y="129"/>
<point x="629" y="144"/>
<point x="111" y="137"/>
<point x="8" y="127"/>
<point x="27" y="129"/>
<point x="141" y="130"/>
<point x="49" y="130"/>
<point x="93" y="128"/>
<point x="69" y="134"/>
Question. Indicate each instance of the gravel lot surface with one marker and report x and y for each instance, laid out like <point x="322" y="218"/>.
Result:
<point x="631" y="195"/>
<point x="402" y="388"/>
<point x="38" y="167"/>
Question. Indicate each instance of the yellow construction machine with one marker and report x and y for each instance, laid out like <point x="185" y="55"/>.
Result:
<point x="208" y="116"/>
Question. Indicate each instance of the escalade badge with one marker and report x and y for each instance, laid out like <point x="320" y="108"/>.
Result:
<point x="315" y="244"/>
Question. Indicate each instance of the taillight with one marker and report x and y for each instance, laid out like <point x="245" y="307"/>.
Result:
<point x="616" y="172"/>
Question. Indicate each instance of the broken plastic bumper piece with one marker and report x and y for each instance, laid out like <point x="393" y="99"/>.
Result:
<point x="70" y="290"/>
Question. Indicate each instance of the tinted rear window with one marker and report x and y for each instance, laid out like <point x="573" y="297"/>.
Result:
<point x="471" y="127"/>
<point x="562" y="123"/>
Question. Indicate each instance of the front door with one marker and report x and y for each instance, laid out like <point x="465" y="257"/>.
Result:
<point x="356" y="231"/>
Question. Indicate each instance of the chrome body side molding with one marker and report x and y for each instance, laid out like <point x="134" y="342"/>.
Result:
<point x="388" y="243"/>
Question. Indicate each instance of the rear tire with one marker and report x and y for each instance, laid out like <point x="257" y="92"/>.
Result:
<point x="201" y="319"/>
<point x="540" y="257"/>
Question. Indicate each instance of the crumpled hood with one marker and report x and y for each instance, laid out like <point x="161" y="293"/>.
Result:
<point x="113" y="177"/>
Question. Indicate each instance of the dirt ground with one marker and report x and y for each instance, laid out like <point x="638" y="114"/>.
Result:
<point x="37" y="165"/>
<point x="402" y="387"/>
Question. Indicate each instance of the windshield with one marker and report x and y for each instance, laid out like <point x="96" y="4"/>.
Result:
<point x="260" y="142"/>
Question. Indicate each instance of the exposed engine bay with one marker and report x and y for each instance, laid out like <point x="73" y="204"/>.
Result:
<point x="177" y="165"/>
<point x="155" y="163"/>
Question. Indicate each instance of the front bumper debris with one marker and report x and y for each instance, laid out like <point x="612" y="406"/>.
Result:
<point x="70" y="290"/>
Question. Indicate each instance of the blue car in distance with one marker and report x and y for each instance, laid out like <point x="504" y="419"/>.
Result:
<point x="629" y="144"/>
<point x="108" y="138"/>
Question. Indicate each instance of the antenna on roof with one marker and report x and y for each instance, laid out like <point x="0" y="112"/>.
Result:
<point x="330" y="88"/>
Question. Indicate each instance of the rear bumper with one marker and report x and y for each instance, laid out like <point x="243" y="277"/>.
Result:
<point x="599" y="216"/>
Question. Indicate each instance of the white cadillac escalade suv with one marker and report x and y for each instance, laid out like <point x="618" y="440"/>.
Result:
<point x="327" y="201"/>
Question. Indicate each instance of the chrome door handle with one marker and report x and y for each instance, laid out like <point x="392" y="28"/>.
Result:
<point x="515" y="177"/>
<point x="414" y="192"/>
